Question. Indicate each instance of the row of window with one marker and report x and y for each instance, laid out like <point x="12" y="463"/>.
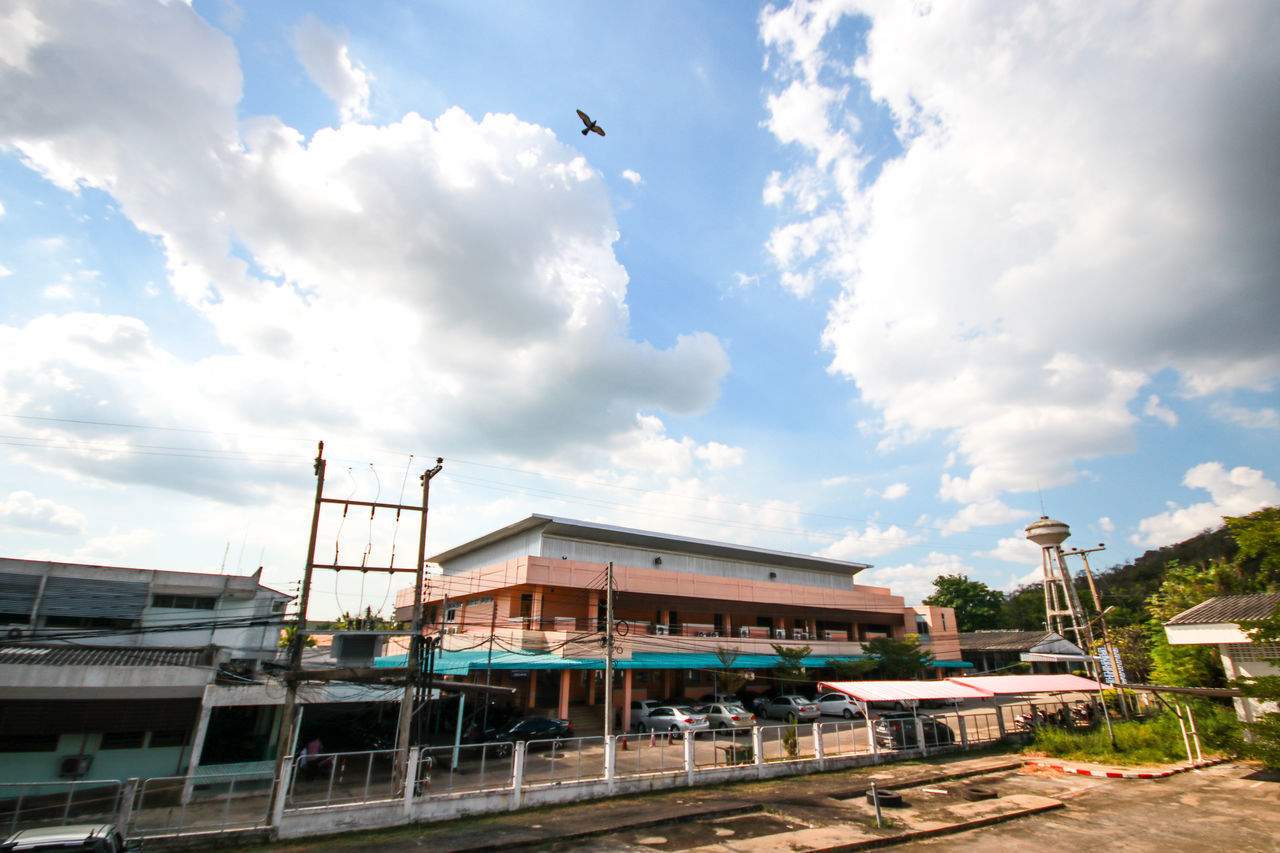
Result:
<point x="110" y="740"/>
<point x="185" y="602"/>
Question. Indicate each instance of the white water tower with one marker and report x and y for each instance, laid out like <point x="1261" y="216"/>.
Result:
<point x="1063" y="613"/>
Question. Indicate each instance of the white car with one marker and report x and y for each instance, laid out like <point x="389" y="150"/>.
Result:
<point x="838" y="705"/>
<point x="676" y="720"/>
<point x="786" y="707"/>
<point x="640" y="711"/>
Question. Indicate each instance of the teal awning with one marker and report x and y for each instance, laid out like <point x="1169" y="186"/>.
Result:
<point x="470" y="660"/>
<point x="951" y="664"/>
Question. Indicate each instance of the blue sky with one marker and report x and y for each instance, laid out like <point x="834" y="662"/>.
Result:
<point x="878" y="281"/>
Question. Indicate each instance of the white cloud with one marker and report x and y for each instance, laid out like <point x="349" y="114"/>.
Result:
<point x="981" y="514"/>
<point x="462" y="267"/>
<point x="1106" y="524"/>
<point x="1238" y="491"/>
<point x="872" y="542"/>
<point x="327" y="61"/>
<point x="1153" y="409"/>
<point x="741" y="279"/>
<point x="1014" y="549"/>
<point x="1248" y="418"/>
<point x="59" y="292"/>
<point x="25" y="511"/>
<point x="632" y="176"/>
<point x="914" y="581"/>
<point x="1077" y="189"/>
<point x="5" y="271"/>
<point x="717" y="455"/>
<point x="896" y="491"/>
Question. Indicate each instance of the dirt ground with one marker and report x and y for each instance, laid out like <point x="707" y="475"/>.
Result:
<point x="1223" y="807"/>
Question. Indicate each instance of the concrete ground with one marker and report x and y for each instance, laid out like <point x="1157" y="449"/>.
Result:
<point x="1223" y="807"/>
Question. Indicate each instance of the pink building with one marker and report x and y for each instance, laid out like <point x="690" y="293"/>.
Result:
<point x="527" y="603"/>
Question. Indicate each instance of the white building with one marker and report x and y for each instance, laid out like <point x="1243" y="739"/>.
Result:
<point x="108" y="672"/>
<point x="1217" y="622"/>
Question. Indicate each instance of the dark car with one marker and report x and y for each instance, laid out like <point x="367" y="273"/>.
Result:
<point x="531" y="729"/>
<point x="897" y="730"/>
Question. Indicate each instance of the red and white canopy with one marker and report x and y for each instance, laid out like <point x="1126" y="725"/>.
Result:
<point x="1005" y="685"/>
<point x="905" y="691"/>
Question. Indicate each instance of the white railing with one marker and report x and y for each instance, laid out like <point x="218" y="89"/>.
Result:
<point x="375" y="781"/>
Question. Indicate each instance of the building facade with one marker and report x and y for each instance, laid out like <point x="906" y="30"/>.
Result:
<point x="524" y="606"/>
<point x="110" y="672"/>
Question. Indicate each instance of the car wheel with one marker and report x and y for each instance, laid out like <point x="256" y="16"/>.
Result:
<point x="848" y="715"/>
<point x="557" y="744"/>
<point x="504" y="750"/>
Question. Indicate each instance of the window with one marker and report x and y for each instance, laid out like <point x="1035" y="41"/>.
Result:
<point x="122" y="740"/>
<point x="185" y="602"/>
<point x="28" y="743"/>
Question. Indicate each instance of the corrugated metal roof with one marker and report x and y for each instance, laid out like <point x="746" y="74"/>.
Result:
<point x="1229" y="609"/>
<point x="1004" y="641"/>
<point x="1009" y="685"/>
<point x="31" y="655"/>
<point x="901" y="691"/>
<point x="605" y="533"/>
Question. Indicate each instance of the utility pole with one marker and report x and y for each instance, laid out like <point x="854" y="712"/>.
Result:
<point x="1102" y="622"/>
<point x="286" y="732"/>
<point x="608" y="651"/>
<point x="414" y="662"/>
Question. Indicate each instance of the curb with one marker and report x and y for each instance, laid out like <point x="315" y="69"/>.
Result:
<point x="1120" y="774"/>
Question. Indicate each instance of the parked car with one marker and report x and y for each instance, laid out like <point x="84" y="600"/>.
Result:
<point x="786" y="707"/>
<point x="838" y="705"/>
<point x="897" y="730"/>
<point x="94" y="837"/>
<point x="678" y="720"/>
<point x="725" y="715"/>
<point x="640" y="710"/>
<point x="531" y="729"/>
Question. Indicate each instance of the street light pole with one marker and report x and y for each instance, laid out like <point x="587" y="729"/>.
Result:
<point x="1102" y="623"/>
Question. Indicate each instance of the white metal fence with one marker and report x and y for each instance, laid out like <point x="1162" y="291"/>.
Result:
<point x="376" y="779"/>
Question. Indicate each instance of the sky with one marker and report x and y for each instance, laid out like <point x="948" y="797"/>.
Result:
<point x="878" y="281"/>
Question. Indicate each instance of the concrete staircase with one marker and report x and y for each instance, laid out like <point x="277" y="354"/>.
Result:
<point x="588" y="720"/>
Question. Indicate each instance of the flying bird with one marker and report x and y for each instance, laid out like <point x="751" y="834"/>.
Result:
<point x="590" y="125"/>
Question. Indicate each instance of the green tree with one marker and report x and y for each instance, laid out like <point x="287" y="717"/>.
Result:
<point x="728" y="680"/>
<point x="850" y="670"/>
<point x="1184" y="587"/>
<point x="790" y="668"/>
<point x="898" y="659"/>
<point x="1023" y="609"/>
<point x="977" y="605"/>
<point x="1257" y="536"/>
<point x="289" y="632"/>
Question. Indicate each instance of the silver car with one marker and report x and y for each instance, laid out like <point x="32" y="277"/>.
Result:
<point x="786" y="707"/>
<point x="723" y="715"/>
<point x="676" y="720"/>
<point x="839" y="705"/>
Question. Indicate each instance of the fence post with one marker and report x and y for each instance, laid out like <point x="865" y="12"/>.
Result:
<point x="871" y="739"/>
<point x="277" y="805"/>
<point x="687" y="741"/>
<point x="127" y="794"/>
<point x="411" y="779"/>
<point x="924" y="750"/>
<point x="1000" y="721"/>
<point x="517" y="774"/>
<point x="757" y="748"/>
<point x="964" y="734"/>
<point x="818" y="751"/>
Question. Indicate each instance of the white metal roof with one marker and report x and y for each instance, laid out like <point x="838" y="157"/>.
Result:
<point x="1005" y="685"/>
<point x="899" y="691"/>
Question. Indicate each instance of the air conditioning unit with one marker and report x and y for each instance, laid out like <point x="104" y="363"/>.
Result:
<point x="450" y="629"/>
<point x="828" y="635"/>
<point x="744" y="632"/>
<point x="702" y="633"/>
<point x="779" y="633"/>
<point x="661" y="630"/>
<point x="74" y="766"/>
<point x="715" y="633"/>
<point x="799" y="635"/>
